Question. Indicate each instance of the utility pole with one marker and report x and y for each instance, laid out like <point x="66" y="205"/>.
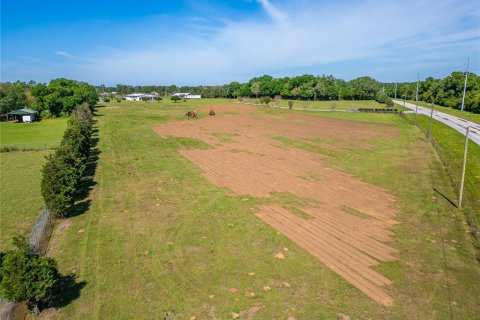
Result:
<point x="416" y="97"/>
<point x="429" y="132"/>
<point x="465" y="85"/>
<point x="463" y="169"/>
<point x="418" y="78"/>
<point x="396" y="83"/>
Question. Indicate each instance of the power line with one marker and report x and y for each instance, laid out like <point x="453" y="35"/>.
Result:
<point x="465" y="84"/>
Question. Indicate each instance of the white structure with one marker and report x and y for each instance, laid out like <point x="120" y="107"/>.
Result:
<point x="187" y="95"/>
<point x="140" y="97"/>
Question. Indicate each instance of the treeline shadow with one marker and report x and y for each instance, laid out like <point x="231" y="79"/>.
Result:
<point x="82" y="202"/>
<point x="68" y="289"/>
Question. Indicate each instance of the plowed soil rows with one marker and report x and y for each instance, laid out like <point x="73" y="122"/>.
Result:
<point x="249" y="161"/>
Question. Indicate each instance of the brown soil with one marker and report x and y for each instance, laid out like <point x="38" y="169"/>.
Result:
<point x="346" y="243"/>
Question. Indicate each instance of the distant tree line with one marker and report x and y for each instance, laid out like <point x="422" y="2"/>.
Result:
<point x="58" y="98"/>
<point x="447" y="91"/>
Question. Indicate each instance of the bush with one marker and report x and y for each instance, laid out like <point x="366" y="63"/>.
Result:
<point x="158" y="98"/>
<point x="290" y="104"/>
<point x="106" y="99"/>
<point x="175" y="98"/>
<point x="118" y="99"/>
<point x="390" y="103"/>
<point x="46" y="114"/>
<point x="63" y="170"/>
<point x="27" y="276"/>
<point x="265" y="100"/>
<point x="381" y="97"/>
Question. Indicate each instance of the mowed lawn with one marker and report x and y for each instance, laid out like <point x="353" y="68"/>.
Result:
<point x="160" y="241"/>
<point x="332" y="105"/>
<point x="44" y="134"/>
<point x="20" y="177"/>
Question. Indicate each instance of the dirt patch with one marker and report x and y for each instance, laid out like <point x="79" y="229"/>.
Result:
<point x="347" y="243"/>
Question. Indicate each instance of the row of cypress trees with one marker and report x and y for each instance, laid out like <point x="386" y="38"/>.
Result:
<point x="64" y="168"/>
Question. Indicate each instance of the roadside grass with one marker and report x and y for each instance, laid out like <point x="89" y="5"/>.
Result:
<point x="160" y="241"/>
<point x="450" y="147"/>
<point x="42" y="135"/>
<point x="475" y="117"/>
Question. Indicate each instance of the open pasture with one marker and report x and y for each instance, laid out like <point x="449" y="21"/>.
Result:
<point x="265" y="213"/>
<point x="21" y="173"/>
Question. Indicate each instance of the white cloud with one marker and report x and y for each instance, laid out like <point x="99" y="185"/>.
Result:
<point x="273" y="12"/>
<point x="298" y="34"/>
<point x="64" y="54"/>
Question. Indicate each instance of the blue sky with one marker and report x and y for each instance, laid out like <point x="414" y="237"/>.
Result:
<point x="215" y="42"/>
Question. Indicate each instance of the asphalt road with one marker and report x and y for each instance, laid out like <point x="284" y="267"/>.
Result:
<point x="456" y="123"/>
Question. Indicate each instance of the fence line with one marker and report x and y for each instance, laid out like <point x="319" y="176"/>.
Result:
<point x="38" y="243"/>
<point x="40" y="235"/>
<point x="6" y="309"/>
<point x="28" y="146"/>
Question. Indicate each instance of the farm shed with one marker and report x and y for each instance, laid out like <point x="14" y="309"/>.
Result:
<point x="23" y="115"/>
<point x="187" y="95"/>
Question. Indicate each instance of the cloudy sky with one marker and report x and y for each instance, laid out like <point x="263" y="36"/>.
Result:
<point x="215" y="42"/>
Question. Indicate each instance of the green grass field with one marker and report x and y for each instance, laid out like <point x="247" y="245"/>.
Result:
<point x="450" y="147"/>
<point x="21" y="173"/>
<point x="45" y="134"/>
<point x="160" y="241"/>
<point x="475" y="117"/>
<point x="333" y="105"/>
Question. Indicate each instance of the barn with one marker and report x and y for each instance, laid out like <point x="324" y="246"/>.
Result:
<point x="23" y="115"/>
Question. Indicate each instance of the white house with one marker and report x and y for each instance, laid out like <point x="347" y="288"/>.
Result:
<point x="140" y="97"/>
<point x="187" y="95"/>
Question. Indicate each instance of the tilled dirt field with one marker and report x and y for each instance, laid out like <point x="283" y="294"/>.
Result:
<point x="348" y="228"/>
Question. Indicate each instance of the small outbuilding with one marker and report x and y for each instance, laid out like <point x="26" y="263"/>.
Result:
<point x="187" y="95"/>
<point x="23" y="115"/>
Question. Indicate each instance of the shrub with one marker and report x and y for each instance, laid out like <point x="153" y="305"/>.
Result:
<point x="265" y="100"/>
<point x="175" y="98"/>
<point x="46" y="114"/>
<point x="290" y="104"/>
<point x="27" y="276"/>
<point x="390" y="103"/>
<point x="381" y="97"/>
<point x="118" y="99"/>
<point x="106" y="99"/>
<point x="158" y="98"/>
<point x="63" y="170"/>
